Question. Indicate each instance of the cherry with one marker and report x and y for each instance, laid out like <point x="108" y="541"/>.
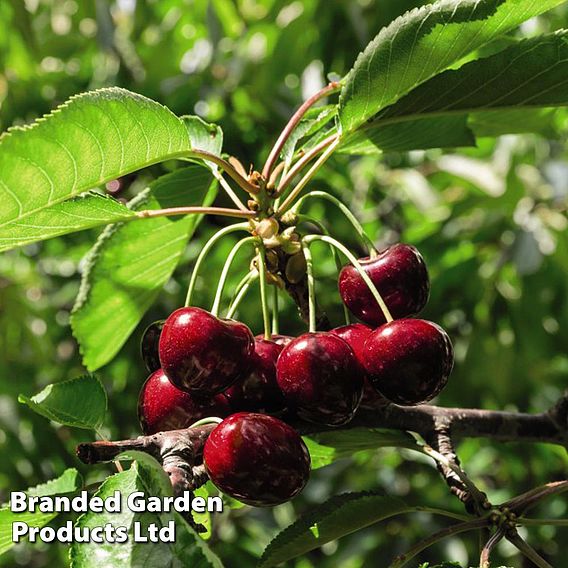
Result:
<point x="257" y="459"/>
<point x="162" y="406"/>
<point x="203" y="354"/>
<point x="149" y="345"/>
<point x="277" y="338"/>
<point x="409" y="360"/>
<point x="320" y="378"/>
<point x="401" y="277"/>
<point x="258" y="391"/>
<point x="355" y="334"/>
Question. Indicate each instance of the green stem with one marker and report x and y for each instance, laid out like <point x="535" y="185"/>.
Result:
<point x="404" y="559"/>
<point x="240" y="292"/>
<point x="365" y="239"/>
<point x="311" y="286"/>
<point x="175" y="211"/>
<point x="540" y="522"/>
<point x="338" y="264"/>
<point x="208" y="420"/>
<point x="263" y="291"/>
<point x="275" y="311"/>
<point x="307" y="177"/>
<point x="358" y="267"/>
<point x="205" y="251"/>
<point x="225" y="272"/>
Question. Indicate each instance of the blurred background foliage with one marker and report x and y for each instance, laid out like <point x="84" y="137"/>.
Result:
<point x="490" y="222"/>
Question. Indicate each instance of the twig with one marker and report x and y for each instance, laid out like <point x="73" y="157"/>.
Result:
<point x="493" y="541"/>
<point x="515" y="538"/>
<point x="292" y="123"/>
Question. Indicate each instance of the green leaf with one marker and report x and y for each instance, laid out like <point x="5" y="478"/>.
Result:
<point x="89" y="140"/>
<point x="68" y="482"/>
<point x="85" y="212"/>
<point x="326" y="447"/>
<point x="131" y="262"/>
<point x="532" y="73"/>
<point x="418" y="45"/>
<point x="419" y="134"/>
<point x="204" y="136"/>
<point x="314" y="120"/>
<point x="516" y="121"/>
<point x="80" y="402"/>
<point x="203" y="518"/>
<point x="339" y="516"/>
<point x="187" y="550"/>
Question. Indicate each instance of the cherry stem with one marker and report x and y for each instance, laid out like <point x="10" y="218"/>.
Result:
<point x="292" y="123"/>
<point x="173" y="211"/>
<point x="240" y="292"/>
<point x="275" y="311"/>
<point x="225" y="272"/>
<point x="365" y="239"/>
<point x="205" y="251"/>
<point x="515" y="538"/>
<point x="307" y="177"/>
<point x="311" y="285"/>
<point x="351" y="257"/>
<point x="229" y="190"/>
<point x="539" y="522"/>
<point x="307" y="157"/>
<point x="263" y="291"/>
<point x="338" y="264"/>
<point x="228" y="168"/>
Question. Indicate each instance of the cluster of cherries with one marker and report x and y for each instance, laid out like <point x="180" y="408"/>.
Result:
<point x="204" y="366"/>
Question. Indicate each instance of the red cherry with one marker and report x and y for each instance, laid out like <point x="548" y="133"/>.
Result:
<point x="409" y="360"/>
<point x="277" y="338"/>
<point x="149" y="345"/>
<point x="320" y="378"/>
<point x="257" y="459"/>
<point x="259" y="391"/>
<point x="203" y="354"/>
<point x="355" y="334"/>
<point x="401" y="277"/>
<point x="161" y="406"/>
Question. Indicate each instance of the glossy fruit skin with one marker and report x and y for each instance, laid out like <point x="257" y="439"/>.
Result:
<point x="149" y="345"/>
<point x="162" y="406"/>
<point x="203" y="354"/>
<point x="257" y="459"/>
<point x="409" y="360"/>
<point x="277" y="338"/>
<point x="320" y="378"/>
<point x="356" y="334"/>
<point x="258" y="391"/>
<point x="401" y="277"/>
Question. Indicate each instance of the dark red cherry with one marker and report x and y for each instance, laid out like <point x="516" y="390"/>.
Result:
<point x="409" y="360"/>
<point x="401" y="277"/>
<point x="203" y="354"/>
<point x="161" y="406"/>
<point x="320" y="378"/>
<point x="355" y="334"/>
<point x="258" y="391"/>
<point x="149" y="345"/>
<point x="257" y="459"/>
<point x="277" y="338"/>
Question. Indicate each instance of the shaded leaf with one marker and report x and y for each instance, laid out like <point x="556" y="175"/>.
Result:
<point x="130" y="263"/>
